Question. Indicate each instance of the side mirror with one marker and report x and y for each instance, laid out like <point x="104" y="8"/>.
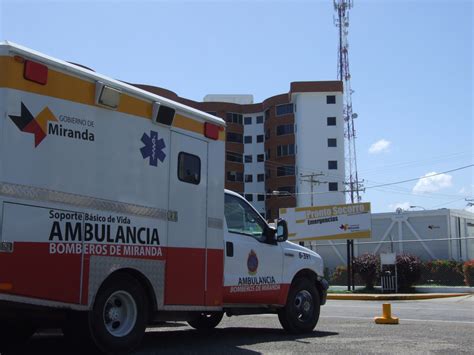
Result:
<point x="282" y="230"/>
<point x="270" y="234"/>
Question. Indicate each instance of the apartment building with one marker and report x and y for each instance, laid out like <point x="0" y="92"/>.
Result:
<point x="286" y="151"/>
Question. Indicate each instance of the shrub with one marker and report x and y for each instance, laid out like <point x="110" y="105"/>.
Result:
<point x="408" y="270"/>
<point x="468" y="269"/>
<point x="367" y="266"/>
<point x="442" y="272"/>
<point x="339" y="276"/>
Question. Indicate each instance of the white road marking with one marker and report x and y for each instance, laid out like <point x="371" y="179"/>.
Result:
<point x="403" y="319"/>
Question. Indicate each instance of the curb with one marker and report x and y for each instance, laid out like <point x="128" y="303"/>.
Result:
<point x="392" y="297"/>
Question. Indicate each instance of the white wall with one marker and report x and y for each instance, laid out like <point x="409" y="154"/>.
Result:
<point x="313" y="152"/>
<point x="255" y="167"/>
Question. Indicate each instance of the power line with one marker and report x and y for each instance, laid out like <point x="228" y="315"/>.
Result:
<point x="419" y="178"/>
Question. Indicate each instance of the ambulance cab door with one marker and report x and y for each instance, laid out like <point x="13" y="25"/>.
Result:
<point x="187" y="227"/>
<point x="253" y="267"/>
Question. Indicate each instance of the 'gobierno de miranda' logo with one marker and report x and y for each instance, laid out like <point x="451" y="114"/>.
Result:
<point x="44" y="124"/>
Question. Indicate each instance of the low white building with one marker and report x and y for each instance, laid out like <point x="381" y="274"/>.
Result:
<point x="432" y="234"/>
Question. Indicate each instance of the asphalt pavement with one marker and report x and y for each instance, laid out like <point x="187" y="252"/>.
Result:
<point x="438" y="326"/>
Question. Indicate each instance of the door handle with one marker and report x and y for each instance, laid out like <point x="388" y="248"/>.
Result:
<point x="229" y="248"/>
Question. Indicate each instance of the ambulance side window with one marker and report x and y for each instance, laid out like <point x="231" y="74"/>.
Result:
<point x="242" y="219"/>
<point x="189" y="168"/>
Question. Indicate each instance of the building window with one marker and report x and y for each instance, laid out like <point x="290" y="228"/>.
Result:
<point x="260" y="177"/>
<point x="260" y="158"/>
<point x="247" y="120"/>
<point x="267" y="154"/>
<point x="286" y="170"/>
<point x="259" y="119"/>
<point x="284" y="150"/>
<point x="284" y="109"/>
<point x="234" y="176"/>
<point x="248" y="158"/>
<point x="233" y="117"/>
<point x="247" y="139"/>
<point x="189" y="168"/>
<point x="332" y="164"/>
<point x="260" y="138"/>
<point x="248" y="178"/>
<point x="331" y="99"/>
<point x="234" y="157"/>
<point x="285" y="129"/>
<point x="331" y="121"/>
<point x="260" y="197"/>
<point x="234" y="137"/>
<point x="332" y="186"/>
<point x="249" y="197"/>
<point x="332" y="142"/>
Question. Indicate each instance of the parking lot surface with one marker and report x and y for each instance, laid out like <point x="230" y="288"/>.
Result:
<point x="430" y="326"/>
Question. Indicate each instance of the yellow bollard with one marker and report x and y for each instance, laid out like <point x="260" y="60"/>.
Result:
<point x="386" y="315"/>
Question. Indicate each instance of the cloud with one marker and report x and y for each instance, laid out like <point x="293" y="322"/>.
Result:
<point x="381" y="146"/>
<point x="403" y="205"/>
<point x="462" y="191"/>
<point x="433" y="183"/>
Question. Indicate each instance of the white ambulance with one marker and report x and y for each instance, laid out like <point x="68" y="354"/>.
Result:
<point x="113" y="214"/>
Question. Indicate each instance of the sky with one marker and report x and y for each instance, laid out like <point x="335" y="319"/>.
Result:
<point x="411" y="65"/>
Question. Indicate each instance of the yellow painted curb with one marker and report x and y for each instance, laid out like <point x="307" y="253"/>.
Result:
<point x="392" y="297"/>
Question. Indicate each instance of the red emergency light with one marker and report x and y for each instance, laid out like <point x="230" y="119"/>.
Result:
<point x="35" y="72"/>
<point x="211" y="131"/>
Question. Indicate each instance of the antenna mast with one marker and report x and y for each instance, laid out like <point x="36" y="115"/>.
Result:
<point x="341" y="20"/>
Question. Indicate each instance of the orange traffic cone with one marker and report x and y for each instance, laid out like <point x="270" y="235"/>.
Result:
<point x="386" y="315"/>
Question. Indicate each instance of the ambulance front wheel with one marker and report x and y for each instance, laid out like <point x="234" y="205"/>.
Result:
<point x="206" y="321"/>
<point x="301" y="312"/>
<point x="118" y="319"/>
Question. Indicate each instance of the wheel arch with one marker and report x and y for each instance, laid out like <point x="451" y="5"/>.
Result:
<point x="142" y="280"/>
<point x="311" y="275"/>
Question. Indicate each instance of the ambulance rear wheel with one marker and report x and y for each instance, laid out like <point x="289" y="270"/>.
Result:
<point x="119" y="316"/>
<point x="206" y="321"/>
<point x="301" y="312"/>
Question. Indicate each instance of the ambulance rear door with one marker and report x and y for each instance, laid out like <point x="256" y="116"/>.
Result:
<point x="187" y="227"/>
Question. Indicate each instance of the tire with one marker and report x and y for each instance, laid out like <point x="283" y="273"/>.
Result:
<point x="206" y="321"/>
<point x="13" y="334"/>
<point x="119" y="316"/>
<point x="301" y="312"/>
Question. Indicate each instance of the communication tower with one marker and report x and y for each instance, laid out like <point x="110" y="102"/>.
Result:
<point x="341" y="20"/>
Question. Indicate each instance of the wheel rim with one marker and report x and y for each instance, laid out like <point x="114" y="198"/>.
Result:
<point x="304" y="306"/>
<point x="120" y="314"/>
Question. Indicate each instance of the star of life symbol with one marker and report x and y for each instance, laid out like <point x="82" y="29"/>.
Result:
<point x="153" y="148"/>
